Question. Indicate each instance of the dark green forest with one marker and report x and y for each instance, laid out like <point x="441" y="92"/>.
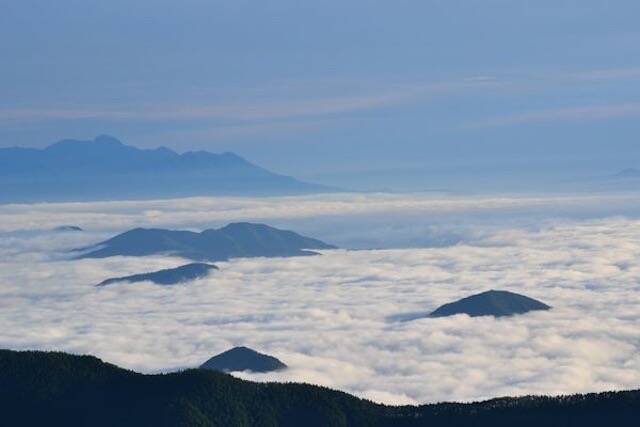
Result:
<point x="51" y="388"/>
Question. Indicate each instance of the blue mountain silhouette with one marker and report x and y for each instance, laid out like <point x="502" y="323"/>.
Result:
<point x="107" y="169"/>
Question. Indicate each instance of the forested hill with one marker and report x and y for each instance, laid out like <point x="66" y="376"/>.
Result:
<point x="46" y="389"/>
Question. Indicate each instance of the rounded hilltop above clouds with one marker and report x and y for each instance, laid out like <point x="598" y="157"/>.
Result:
<point x="235" y="240"/>
<point x="491" y="303"/>
<point x="240" y="359"/>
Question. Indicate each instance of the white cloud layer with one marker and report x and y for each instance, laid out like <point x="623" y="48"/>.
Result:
<point x="335" y="319"/>
<point x="374" y="220"/>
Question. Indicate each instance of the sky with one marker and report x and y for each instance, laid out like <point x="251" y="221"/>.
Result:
<point x="399" y="95"/>
<point x="341" y="319"/>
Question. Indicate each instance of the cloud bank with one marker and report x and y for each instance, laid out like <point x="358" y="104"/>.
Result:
<point x="374" y="220"/>
<point x="334" y="319"/>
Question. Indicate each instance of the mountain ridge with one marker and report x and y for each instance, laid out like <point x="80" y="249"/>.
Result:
<point x="628" y="173"/>
<point x="53" y="388"/>
<point x="235" y="240"/>
<point x="106" y="169"/>
<point x="167" y="276"/>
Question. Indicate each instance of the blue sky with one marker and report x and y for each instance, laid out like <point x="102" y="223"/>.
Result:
<point x="337" y="92"/>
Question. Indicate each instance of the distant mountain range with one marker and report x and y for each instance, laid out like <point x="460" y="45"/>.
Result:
<point x="47" y="389"/>
<point x="235" y="240"/>
<point x="240" y="359"/>
<point x="66" y="228"/>
<point x="169" y="276"/>
<point x="629" y="173"/>
<point x="106" y="169"/>
<point x="491" y="303"/>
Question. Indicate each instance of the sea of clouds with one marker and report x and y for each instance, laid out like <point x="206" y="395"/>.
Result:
<point x="342" y="319"/>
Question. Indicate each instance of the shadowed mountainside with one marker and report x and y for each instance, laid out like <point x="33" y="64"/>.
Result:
<point x="40" y="388"/>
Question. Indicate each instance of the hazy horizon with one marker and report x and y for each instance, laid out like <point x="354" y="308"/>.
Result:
<point x="515" y="178"/>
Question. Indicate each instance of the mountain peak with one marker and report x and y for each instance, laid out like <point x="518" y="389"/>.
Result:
<point x="107" y="139"/>
<point x="99" y="144"/>
<point x="238" y="226"/>
<point x="243" y="358"/>
<point x="495" y="303"/>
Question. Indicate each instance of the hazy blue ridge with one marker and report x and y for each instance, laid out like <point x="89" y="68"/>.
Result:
<point x="105" y="168"/>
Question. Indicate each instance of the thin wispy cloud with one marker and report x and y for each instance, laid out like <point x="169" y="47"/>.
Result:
<point x="251" y="111"/>
<point x="382" y="96"/>
<point x="577" y="113"/>
<point x="607" y="74"/>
